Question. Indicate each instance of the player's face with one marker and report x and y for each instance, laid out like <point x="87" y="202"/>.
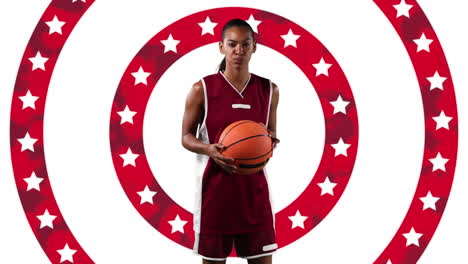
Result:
<point x="238" y="46"/>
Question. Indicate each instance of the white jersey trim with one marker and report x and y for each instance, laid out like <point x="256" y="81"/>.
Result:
<point x="271" y="199"/>
<point x="260" y="255"/>
<point x="270" y="247"/>
<point x="202" y="161"/>
<point x="243" y="106"/>
<point x="233" y="87"/>
<point x="205" y="94"/>
<point x="196" y="243"/>
<point x="269" y="103"/>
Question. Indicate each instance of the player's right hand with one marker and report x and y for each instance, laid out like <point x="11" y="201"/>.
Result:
<point x="227" y="163"/>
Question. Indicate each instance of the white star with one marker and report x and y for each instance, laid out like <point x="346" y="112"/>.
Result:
<point x="436" y="81"/>
<point x="84" y="1"/>
<point x="253" y="23"/>
<point x="29" y="100"/>
<point x="423" y="43"/>
<point x="402" y="9"/>
<point x="429" y="201"/>
<point x="389" y="262"/>
<point x="33" y="182"/>
<point x="46" y="219"/>
<point x="412" y="238"/>
<point x="141" y="76"/>
<point x="297" y="220"/>
<point x="290" y="39"/>
<point x="129" y="158"/>
<point x="442" y="120"/>
<point x="438" y="163"/>
<point x="146" y="195"/>
<point x="55" y="26"/>
<point x="327" y="187"/>
<point x="207" y="26"/>
<point x="322" y="67"/>
<point x="341" y="148"/>
<point x="177" y="225"/>
<point x="38" y="61"/>
<point x="126" y="115"/>
<point x="27" y="142"/>
<point x="66" y="253"/>
<point x="339" y="105"/>
<point x="170" y="44"/>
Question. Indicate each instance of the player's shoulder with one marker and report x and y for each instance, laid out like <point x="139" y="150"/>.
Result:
<point x="265" y="80"/>
<point x="197" y="90"/>
<point x="211" y="76"/>
<point x="198" y="86"/>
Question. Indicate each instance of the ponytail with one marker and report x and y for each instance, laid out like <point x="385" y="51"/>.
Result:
<point x="222" y="65"/>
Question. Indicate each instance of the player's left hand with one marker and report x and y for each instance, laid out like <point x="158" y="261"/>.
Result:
<point x="274" y="139"/>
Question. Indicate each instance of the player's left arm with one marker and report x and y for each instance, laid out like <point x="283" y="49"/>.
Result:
<point x="273" y="107"/>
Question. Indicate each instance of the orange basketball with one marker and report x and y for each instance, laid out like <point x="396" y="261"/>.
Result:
<point x="249" y="143"/>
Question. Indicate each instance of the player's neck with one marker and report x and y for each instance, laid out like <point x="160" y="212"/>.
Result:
<point x="237" y="76"/>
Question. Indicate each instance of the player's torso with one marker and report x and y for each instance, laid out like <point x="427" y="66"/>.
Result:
<point x="234" y="203"/>
<point x="226" y="104"/>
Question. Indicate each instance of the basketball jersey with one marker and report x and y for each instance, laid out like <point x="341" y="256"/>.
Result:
<point x="230" y="203"/>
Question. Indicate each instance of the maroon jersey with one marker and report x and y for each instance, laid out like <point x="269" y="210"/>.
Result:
<point x="225" y="203"/>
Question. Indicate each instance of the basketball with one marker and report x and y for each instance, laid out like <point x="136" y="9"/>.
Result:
<point x="249" y="143"/>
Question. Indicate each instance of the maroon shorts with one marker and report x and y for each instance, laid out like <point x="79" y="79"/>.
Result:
<point x="250" y="245"/>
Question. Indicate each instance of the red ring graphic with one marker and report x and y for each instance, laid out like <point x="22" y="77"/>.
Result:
<point x="423" y="221"/>
<point x="27" y="114"/>
<point x="26" y="122"/>
<point x="154" y="59"/>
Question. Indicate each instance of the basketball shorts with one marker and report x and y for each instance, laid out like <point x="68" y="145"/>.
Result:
<point x="248" y="246"/>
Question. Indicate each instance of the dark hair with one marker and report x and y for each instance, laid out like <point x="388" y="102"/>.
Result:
<point x="237" y="22"/>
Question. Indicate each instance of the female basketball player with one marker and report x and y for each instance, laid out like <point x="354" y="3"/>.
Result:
<point x="230" y="208"/>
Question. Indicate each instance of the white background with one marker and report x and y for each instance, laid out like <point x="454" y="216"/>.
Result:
<point x="361" y="40"/>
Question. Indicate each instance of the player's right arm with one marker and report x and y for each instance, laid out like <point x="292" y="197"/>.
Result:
<point x="193" y="115"/>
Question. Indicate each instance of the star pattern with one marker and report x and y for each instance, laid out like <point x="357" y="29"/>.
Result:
<point x="66" y="254"/>
<point x="290" y="39"/>
<point x="177" y="225"/>
<point x="126" y="115"/>
<point x="297" y="220"/>
<point x="146" y="196"/>
<point x="402" y="9"/>
<point x="412" y="237"/>
<point x="29" y="101"/>
<point x="170" y="44"/>
<point x="423" y="43"/>
<point x="141" y="76"/>
<point x="438" y="163"/>
<point x="207" y="26"/>
<point x="339" y="106"/>
<point x="33" y="182"/>
<point x="38" y="62"/>
<point x="321" y="64"/>
<point x="429" y="201"/>
<point x="436" y="81"/>
<point x="27" y="143"/>
<point x="442" y="121"/>
<point x="327" y="187"/>
<point x="129" y="158"/>
<point x="253" y="23"/>
<point x="341" y="148"/>
<point x="55" y="26"/>
<point x="37" y="66"/>
<point x="46" y="219"/>
<point x="321" y="67"/>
